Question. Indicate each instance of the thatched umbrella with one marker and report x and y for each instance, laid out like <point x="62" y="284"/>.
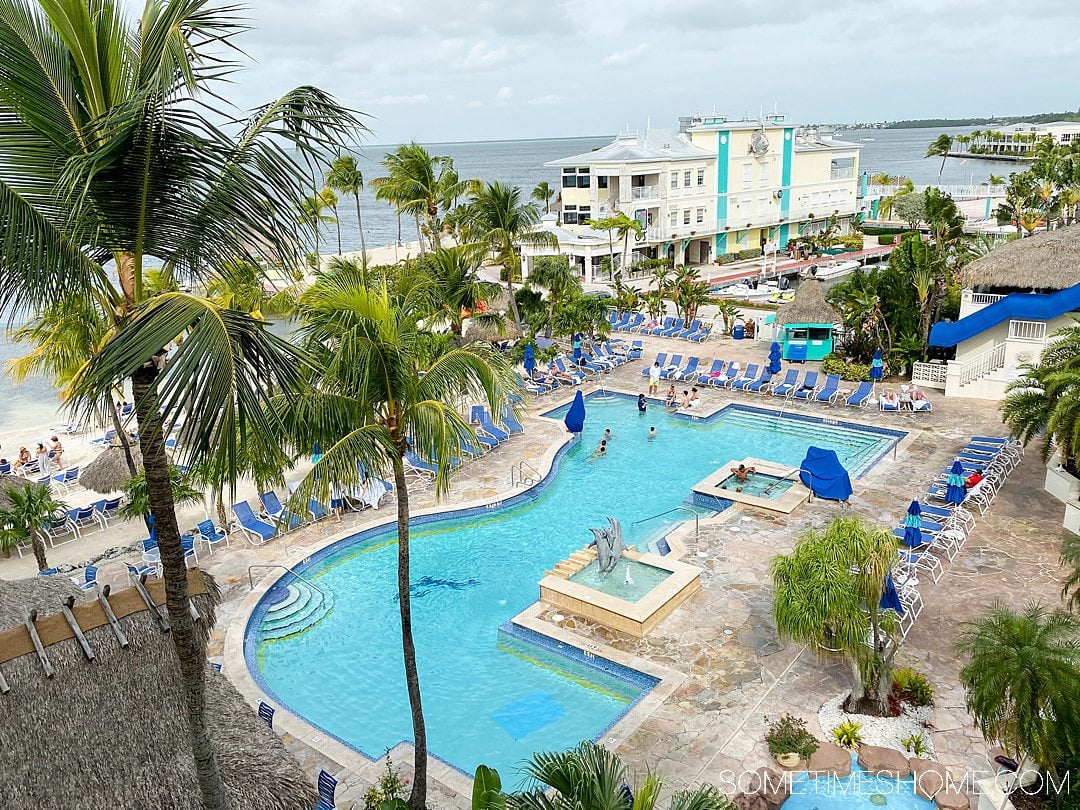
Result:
<point x="112" y="732"/>
<point x="109" y="471"/>
<point x="808" y="306"/>
<point x="491" y="333"/>
<point x="1046" y="261"/>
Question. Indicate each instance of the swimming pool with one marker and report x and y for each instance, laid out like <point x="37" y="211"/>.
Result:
<point x="761" y="485"/>
<point x="473" y="572"/>
<point x="860" y="789"/>
<point x="630" y="580"/>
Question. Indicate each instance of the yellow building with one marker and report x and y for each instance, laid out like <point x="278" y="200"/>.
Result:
<point x="713" y="187"/>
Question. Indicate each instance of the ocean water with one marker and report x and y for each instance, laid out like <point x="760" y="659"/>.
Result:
<point x="519" y="163"/>
<point x="472" y="574"/>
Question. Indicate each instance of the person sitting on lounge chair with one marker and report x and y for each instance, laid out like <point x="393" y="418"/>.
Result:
<point x="919" y="402"/>
<point x="742" y="472"/>
<point x="23" y="459"/>
<point x="889" y="402"/>
<point x="669" y="400"/>
<point x="905" y="398"/>
<point x="974" y="479"/>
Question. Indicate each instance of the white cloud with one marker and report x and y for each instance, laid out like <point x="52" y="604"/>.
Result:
<point x="506" y="92"/>
<point x="474" y="104"/>
<point x="482" y="56"/>
<point x="545" y="101"/>
<point x="622" y="57"/>
<point x="415" y="98"/>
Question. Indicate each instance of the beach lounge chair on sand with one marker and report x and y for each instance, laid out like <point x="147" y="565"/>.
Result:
<point x="667" y="324"/>
<point x="89" y="578"/>
<point x="784" y="386"/>
<point x="674" y="329"/>
<point x="256" y="530"/>
<point x="807" y="388"/>
<point x="830" y="391"/>
<point x="748" y="376"/>
<point x="861" y="395"/>
<point x="693" y="327"/>
<point x="661" y="358"/>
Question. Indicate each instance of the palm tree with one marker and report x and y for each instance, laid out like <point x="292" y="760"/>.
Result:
<point x="241" y="286"/>
<point x="345" y="178"/>
<point x="330" y="200"/>
<point x="419" y="184"/>
<point x="611" y="225"/>
<point x="554" y="274"/>
<point x="459" y="292"/>
<point x="941" y="147"/>
<point x="543" y="194"/>
<point x="1045" y="401"/>
<point x="137" y="494"/>
<point x="590" y="777"/>
<point x="311" y="212"/>
<point x="828" y="592"/>
<point x="995" y="180"/>
<point x="380" y="385"/>
<point x="503" y="220"/>
<point x="1070" y="557"/>
<point x="31" y="511"/>
<point x="1022" y="681"/>
<point x="109" y="153"/>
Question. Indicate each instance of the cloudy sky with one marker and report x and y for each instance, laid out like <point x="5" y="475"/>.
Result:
<point x="441" y="70"/>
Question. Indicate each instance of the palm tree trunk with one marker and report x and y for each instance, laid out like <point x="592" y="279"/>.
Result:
<point x="509" y="267"/>
<point x="418" y="794"/>
<point x="419" y="233"/>
<point x="38" y="545"/>
<point x="186" y="640"/>
<point x="337" y="221"/>
<point x="363" y="244"/>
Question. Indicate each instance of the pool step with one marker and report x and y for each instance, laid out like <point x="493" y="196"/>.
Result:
<point x="300" y="608"/>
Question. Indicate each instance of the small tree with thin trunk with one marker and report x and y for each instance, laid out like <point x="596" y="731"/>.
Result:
<point x="941" y="147"/>
<point x="31" y="511"/>
<point x="345" y="178"/>
<point x="543" y="194"/>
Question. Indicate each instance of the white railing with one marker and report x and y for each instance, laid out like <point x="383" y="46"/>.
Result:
<point x="644" y="192"/>
<point x="1034" y="331"/>
<point x="984" y="298"/>
<point x="955" y="191"/>
<point x="982" y="364"/>
<point x="931" y="375"/>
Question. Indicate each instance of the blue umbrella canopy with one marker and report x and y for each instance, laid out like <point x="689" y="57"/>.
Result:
<point x="890" y="599"/>
<point x="774" y="358"/>
<point x="955" y="491"/>
<point x="877" y="367"/>
<point x="575" y="417"/>
<point x="530" y="362"/>
<point x="577" y="347"/>
<point x="913" y="525"/>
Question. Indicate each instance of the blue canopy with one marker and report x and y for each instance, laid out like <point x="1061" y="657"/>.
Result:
<point x="1016" y="306"/>
<point x="877" y="367"/>
<point x="316" y="453"/>
<point x="890" y="599"/>
<point x="955" y="491"/>
<point x="530" y="363"/>
<point x="822" y="471"/>
<point x="575" y="417"/>
<point x="775" y="356"/>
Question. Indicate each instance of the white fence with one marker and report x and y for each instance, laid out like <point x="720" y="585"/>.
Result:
<point x="983" y="364"/>
<point x="1034" y="331"/>
<point x="984" y="298"/>
<point x="957" y="192"/>
<point x="930" y="375"/>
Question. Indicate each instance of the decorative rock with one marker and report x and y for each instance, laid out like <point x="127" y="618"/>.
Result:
<point x="952" y="799"/>
<point x="929" y="776"/>
<point x="749" y="801"/>
<point x="770" y="785"/>
<point x="830" y="760"/>
<point x="883" y="762"/>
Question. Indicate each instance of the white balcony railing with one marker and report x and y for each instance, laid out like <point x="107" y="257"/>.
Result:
<point x="930" y="375"/>
<point x="985" y="299"/>
<point x="644" y="192"/>
<point x="1033" y="331"/>
<point x="983" y="364"/>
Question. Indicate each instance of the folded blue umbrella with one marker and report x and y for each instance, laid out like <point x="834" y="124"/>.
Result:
<point x="775" y="356"/>
<point x="529" y="363"/>
<point x="575" y="417"/>
<point x="890" y="599"/>
<point x="913" y="525"/>
<point x="955" y="490"/>
<point x="877" y="366"/>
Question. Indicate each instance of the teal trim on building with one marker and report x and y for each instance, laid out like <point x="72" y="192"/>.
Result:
<point x="721" y="244"/>
<point x="723" y="145"/>
<point x="784" y="236"/>
<point x="785" y="169"/>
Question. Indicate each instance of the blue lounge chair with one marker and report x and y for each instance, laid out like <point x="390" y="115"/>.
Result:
<point x="716" y="369"/>
<point x="861" y="395"/>
<point x="62" y="528"/>
<point x="669" y="371"/>
<point x="83" y="516"/>
<point x="327" y="788"/>
<point x="137" y="572"/>
<point x="266" y="713"/>
<point x="283" y="518"/>
<point x="667" y="324"/>
<point x="889" y="406"/>
<point x="786" y="385"/>
<point x="661" y="358"/>
<point x="48" y="572"/>
<point x="635" y="350"/>
<point x="588" y="363"/>
<point x="5" y="469"/>
<point x="689" y="371"/>
<point x="830" y="391"/>
<point x="693" y="327"/>
<point x="807" y="388"/>
<point x="678" y="326"/>
<point x="701" y="335"/>
<point x="480" y="416"/>
<point x="211" y="534"/>
<point x="616" y="325"/>
<point x="187" y="545"/>
<point x="577" y="376"/>
<point x="604" y="353"/>
<point x="89" y="578"/>
<point x="510" y="422"/>
<point x="760" y="384"/>
<point x="104" y="441"/>
<point x="257" y="531"/>
<point x="636" y="320"/>
<point x="317" y="509"/>
<point x="66" y="477"/>
<point x="730" y="373"/>
<point x="748" y="376"/>
<point x="482" y="445"/>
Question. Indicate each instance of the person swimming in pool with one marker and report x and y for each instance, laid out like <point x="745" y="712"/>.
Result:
<point x="742" y="472"/>
<point x="652" y="433"/>
<point x="608" y="435"/>
<point x="601" y="449"/>
<point x="642" y="406"/>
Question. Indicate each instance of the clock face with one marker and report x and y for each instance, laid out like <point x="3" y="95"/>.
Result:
<point x="759" y="144"/>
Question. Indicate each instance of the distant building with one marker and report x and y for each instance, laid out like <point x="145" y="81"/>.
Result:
<point x="1019" y="139"/>
<point x="715" y="187"/>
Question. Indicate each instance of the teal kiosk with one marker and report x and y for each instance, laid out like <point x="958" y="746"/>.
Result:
<point x="806" y="324"/>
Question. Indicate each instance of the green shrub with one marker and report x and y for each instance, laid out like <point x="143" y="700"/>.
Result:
<point x="390" y="788"/>
<point x="835" y="364"/>
<point x="848" y="734"/>
<point x="886" y="239"/>
<point x="789" y="735"/>
<point x="726" y="258"/>
<point x="852" y="241"/>
<point x="915" y="745"/>
<point x="749" y="253"/>
<point x="911" y="686"/>
<point x="878" y="230"/>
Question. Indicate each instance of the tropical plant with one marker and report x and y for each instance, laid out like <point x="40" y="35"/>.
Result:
<point x="912" y="686"/>
<point x="311" y="212"/>
<point x="30" y="513"/>
<point x="581" y="313"/>
<point x="941" y="147"/>
<point x="112" y="152"/>
<point x="330" y="200"/>
<point x="848" y="734"/>
<point x="554" y="274"/>
<point x="388" y="791"/>
<point x="1045" y="401"/>
<point x="421" y="185"/>
<point x="590" y="777"/>
<point x="827" y="596"/>
<point x="915" y="745"/>
<point x="503" y="221"/>
<point x="910" y="208"/>
<point x="1029" y="220"/>
<point x="542" y="193"/>
<point x="62" y="336"/>
<point x="1070" y="559"/>
<point x="345" y="177"/>
<point x="1022" y="681"/>
<point x="379" y="386"/>
<point x="789" y="735"/>
<point x="728" y="312"/>
<point x="924" y="266"/>
<point x="241" y="285"/>
<point x="487" y="790"/>
<point x="137" y="503"/>
<point x="995" y="180"/>
<point x="906" y="352"/>
<point x="460" y="293"/>
<point x="609" y="225"/>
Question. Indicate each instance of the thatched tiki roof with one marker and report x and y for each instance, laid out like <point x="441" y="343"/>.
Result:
<point x="112" y="732"/>
<point x="808" y="306"/>
<point x="1046" y="261"/>
<point x="109" y="471"/>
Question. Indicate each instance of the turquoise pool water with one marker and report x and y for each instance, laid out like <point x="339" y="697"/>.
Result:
<point x="858" y="790"/>
<point x="758" y="484"/>
<point x="629" y="581"/>
<point x="485" y="703"/>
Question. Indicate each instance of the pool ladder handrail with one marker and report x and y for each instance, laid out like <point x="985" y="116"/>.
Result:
<point x="697" y="517"/>
<point x="521" y="477"/>
<point x="305" y="580"/>
<point x="793" y="472"/>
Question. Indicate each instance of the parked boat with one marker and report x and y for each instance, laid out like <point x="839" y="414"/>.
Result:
<point x="744" y="291"/>
<point x="830" y="270"/>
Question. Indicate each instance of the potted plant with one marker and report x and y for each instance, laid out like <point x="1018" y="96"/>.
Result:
<point x="789" y="741"/>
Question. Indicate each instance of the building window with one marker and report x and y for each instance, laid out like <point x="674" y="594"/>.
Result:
<point x="674" y="217"/>
<point x="701" y="215"/>
<point x="815" y="198"/>
<point x="568" y="179"/>
<point x="746" y="169"/>
<point x="674" y="179"/>
<point x="570" y="216"/>
<point x="763" y="175"/>
<point x="584" y="215"/>
<point x="686" y="179"/>
<point x="761" y="203"/>
<point x="701" y="177"/>
<point x="583" y="181"/>
<point x="686" y="216"/>
<point x="601" y="181"/>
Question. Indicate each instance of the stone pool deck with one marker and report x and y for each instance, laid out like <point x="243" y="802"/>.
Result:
<point x="736" y="672"/>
